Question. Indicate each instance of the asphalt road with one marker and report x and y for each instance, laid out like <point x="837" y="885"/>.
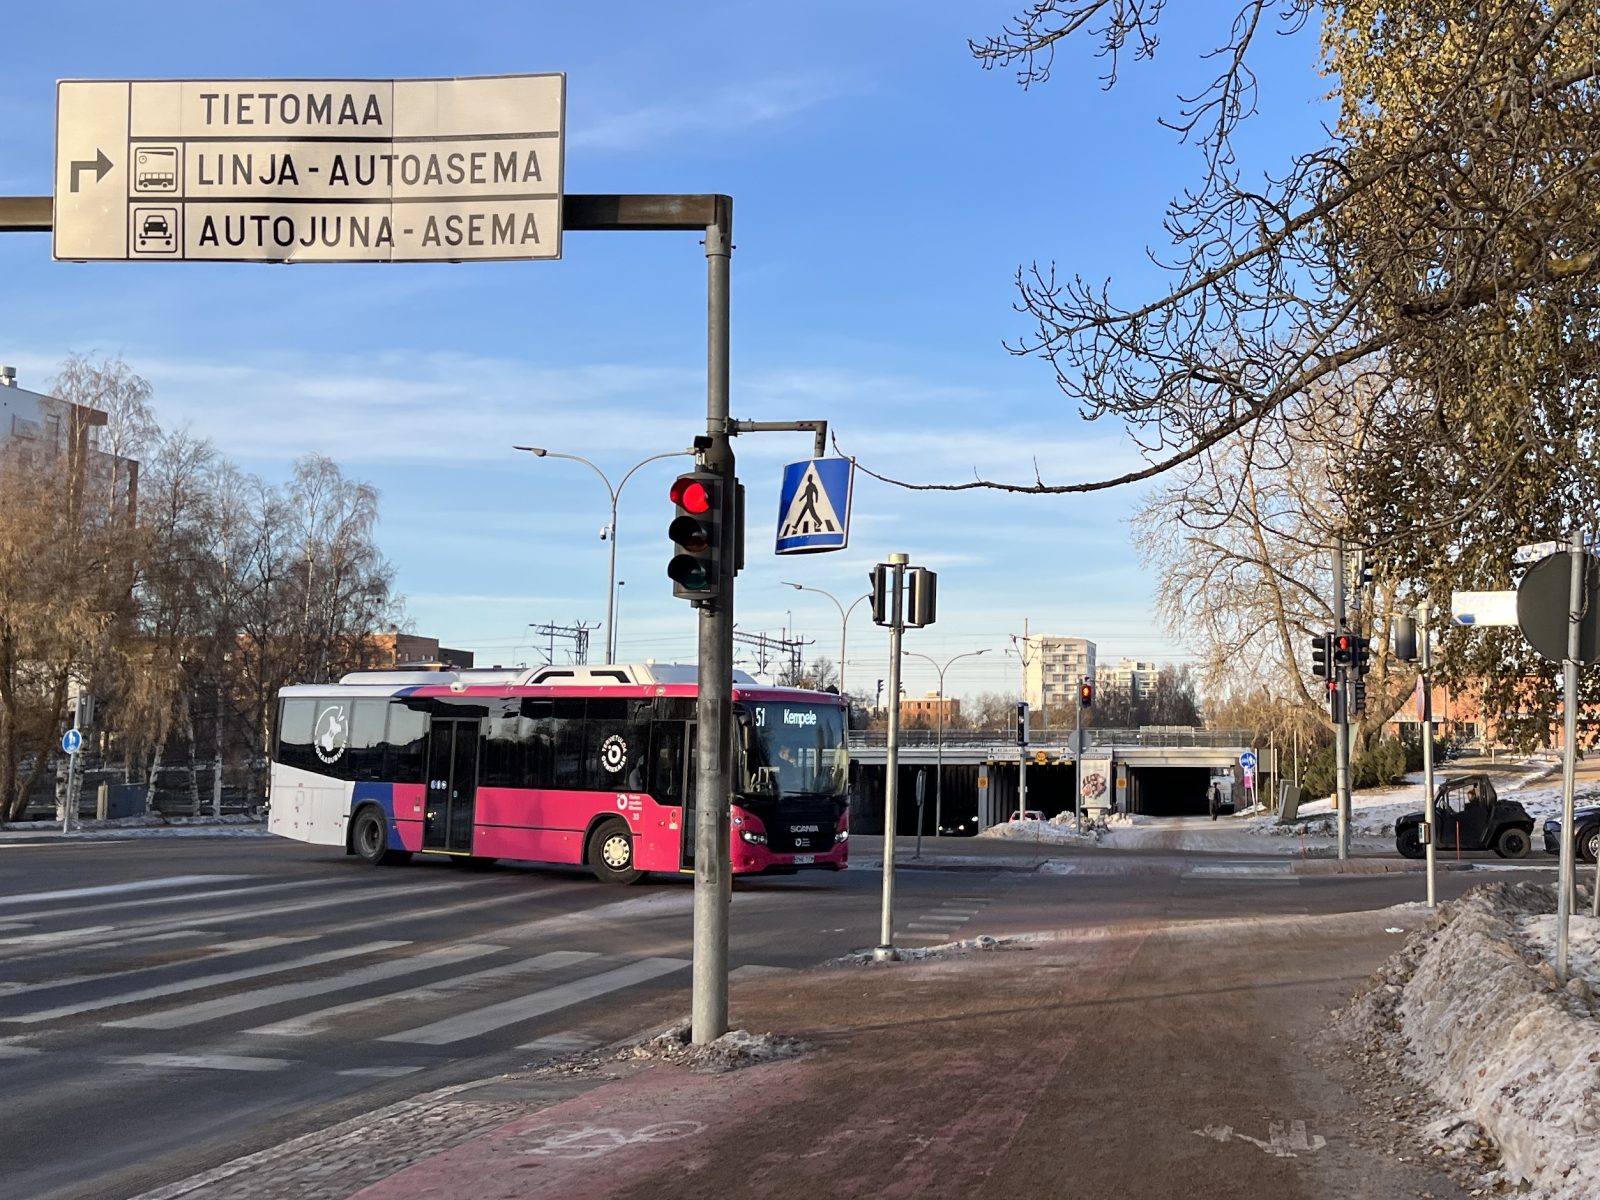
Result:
<point x="169" y="1004"/>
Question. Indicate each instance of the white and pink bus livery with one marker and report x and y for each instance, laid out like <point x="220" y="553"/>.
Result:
<point x="588" y="765"/>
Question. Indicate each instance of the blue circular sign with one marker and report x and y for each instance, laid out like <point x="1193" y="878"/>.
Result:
<point x="1247" y="760"/>
<point x="72" y="741"/>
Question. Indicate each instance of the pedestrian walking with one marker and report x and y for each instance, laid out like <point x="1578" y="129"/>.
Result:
<point x="1215" y="800"/>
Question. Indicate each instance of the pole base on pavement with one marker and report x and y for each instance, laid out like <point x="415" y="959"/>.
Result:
<point x="885" y="954"/>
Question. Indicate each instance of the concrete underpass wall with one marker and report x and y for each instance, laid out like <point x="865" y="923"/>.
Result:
<point x="1168" y="791"/>
<point x="1050" y="791"/>
<point x="958" y="812"/>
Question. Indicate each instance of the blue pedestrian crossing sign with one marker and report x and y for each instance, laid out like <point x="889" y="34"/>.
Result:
<point x="814" y="506"/>
<point x="72" y="741"/>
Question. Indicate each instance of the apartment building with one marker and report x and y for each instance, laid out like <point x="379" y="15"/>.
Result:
<point x="1129" y="677"/>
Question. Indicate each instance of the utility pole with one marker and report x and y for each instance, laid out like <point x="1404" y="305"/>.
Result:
<point x="1341" y="724"/>
<point x="1077" y="762"/>
<point x="1023" y="715"/>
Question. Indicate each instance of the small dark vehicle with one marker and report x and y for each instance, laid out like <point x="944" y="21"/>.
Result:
<point x="1466" y="811"/>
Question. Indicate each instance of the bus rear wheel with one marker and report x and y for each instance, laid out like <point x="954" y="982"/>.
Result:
<point x="369" y="838"/>
<point x="611" y="853"/>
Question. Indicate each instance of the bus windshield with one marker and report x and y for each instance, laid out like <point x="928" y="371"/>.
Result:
<point x="793" y="749"/>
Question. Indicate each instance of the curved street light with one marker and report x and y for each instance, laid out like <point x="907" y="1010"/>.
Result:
<point x="610" y="530"/>
<point x="938" y="771"/>
<point x="844" y="622"/>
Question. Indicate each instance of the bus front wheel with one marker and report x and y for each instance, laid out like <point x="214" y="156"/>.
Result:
<point x="369" y="837"/>
<point x="611" y="853"/>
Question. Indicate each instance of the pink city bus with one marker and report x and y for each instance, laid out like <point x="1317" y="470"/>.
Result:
<point x="589" y="765"/>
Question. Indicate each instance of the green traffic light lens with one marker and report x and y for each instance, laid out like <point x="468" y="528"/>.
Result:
<point x="689" y="573"/>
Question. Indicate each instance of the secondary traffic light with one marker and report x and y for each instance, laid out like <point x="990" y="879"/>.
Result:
<point x="1086" y="694"/>
<point x="1022" y="723"/>
<point x="1362" y="655"/>
<point x="1335" y="701"/>
<point x="921" y="591"/>
<point x="696" y="532"/>
<point x="1321" y="654"/>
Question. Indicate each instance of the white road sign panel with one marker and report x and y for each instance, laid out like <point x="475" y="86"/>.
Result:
<point x="1483" y="608"/>
<point x="237" y="170"/>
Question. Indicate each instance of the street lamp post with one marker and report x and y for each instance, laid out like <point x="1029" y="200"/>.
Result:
<point x="611" y="529"/>
<point x="938" y="771"/>
<point x="844" y="622"/>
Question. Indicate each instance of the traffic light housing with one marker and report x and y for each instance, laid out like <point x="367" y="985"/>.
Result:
<point x="1022" y="722"/>
<point x="1362" y="655"/>
<point x="697" y="536"/>
<point x="1336" y="705"/>
<point x="1322" y="655"/>
<point x="921" y="591"/>
<point x="1086" y="694"/>
<point x="885" y="603"/>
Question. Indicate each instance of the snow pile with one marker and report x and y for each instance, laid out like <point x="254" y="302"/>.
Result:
<point x="1473" y="1005"/>
<point x="1059" y="830"/>
<point x="733" y="1050"/>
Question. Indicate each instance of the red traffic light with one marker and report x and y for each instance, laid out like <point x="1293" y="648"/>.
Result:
<point x="692" y="495"/>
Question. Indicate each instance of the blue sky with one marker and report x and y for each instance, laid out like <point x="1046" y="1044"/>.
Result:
<point x="886" y="188"/>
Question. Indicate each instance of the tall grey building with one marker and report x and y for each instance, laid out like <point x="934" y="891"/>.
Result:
<point x="1052" y="669"/>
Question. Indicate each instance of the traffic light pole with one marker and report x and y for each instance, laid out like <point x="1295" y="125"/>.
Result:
<point x="713" y="871"/>
<point x="1341" y="724"/>
<point x="1077" y="763"/>
<point x="1425" y="637"/>
<point x="885" y="951"/>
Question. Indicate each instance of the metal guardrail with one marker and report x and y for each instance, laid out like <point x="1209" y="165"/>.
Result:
<point x="1064" y="738"/>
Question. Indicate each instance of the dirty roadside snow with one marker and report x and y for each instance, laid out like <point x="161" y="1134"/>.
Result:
<point x="1472" y="1011"/>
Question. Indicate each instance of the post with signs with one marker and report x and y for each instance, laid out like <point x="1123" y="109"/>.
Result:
<point x="896" y="605"/>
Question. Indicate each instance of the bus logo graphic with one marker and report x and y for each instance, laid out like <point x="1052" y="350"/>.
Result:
<point x="332" y="734"/>
<point x="614" y="753"/>
<point x="155" y="169"/>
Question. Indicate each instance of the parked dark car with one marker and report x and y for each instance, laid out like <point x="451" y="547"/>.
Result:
<point x="1468" y="813"/>
<point x="1587" y="822"/>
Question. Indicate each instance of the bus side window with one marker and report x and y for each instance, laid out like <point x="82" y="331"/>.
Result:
<point x="567" y="726"/>
<point x="538" y="750"/>
<point x="295" y="727"/>
<point x="363" y="759"/>
<point x="406" y="744"/>
<point x="666" y="762"/>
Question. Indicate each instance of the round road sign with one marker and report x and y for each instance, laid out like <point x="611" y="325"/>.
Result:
<point x="72" y="741"/>
<point x="1543" y="599"/>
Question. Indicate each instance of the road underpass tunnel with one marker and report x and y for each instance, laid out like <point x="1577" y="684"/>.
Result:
<point x="1168" y="791"/>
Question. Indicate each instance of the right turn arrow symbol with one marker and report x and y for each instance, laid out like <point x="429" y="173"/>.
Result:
<point x="99" y="164"/>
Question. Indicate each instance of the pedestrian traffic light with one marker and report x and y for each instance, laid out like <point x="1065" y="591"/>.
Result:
<point x="1022" y="722"/>
<point x="1086" y="694"/>
<point x="1344" y="649"/>
<point x="1321" y="654"/>
<point x="1335" y="701"/>
<point x="696" y="532"/>
<point x="1362" y="654"/>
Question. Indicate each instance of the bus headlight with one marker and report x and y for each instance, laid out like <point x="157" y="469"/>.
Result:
<point x="754" y="838"/>
<point x="841" y="835"/>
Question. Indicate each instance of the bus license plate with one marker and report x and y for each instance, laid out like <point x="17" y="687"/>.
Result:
<point x="804" y="860"/>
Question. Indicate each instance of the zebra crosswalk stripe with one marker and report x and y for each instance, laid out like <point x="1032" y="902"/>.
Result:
<point x="315" y="1022"/>
<point x="198" y="982"/>
<point x="227" y="1006"/>
<point x="497" y="1016"/>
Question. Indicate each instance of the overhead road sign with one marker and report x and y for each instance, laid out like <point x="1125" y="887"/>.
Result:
<point x="814" y="506"/>
<point x="257" y="170"/>
<point x="1483" y="608"/>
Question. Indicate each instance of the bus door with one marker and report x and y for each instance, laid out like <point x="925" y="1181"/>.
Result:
<point x="452" y="785"/>
<point x="691" y="760"/>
